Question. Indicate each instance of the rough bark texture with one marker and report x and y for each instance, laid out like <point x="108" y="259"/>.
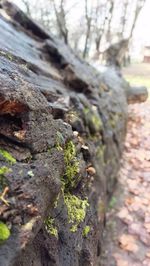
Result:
<point x="137" y="94"/>
<point x="64" y="123"/>
<point x="115" y="53"/>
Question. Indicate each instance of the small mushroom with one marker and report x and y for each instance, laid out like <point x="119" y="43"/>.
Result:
<point x="91" y="170"/>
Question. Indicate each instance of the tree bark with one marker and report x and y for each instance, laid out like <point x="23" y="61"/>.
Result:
<point x="61" y="21"/>
<point x="61" y="138"/>
<point x="88" y="31"/>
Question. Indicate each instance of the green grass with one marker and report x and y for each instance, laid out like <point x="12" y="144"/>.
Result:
<point x="138" y="80"/>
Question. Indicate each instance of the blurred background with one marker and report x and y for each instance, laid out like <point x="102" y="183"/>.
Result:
<point x="91" y="27"/>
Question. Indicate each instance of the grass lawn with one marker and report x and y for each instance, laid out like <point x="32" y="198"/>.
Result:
<point x="138" y="74"/>
<point x="138" y="80"/>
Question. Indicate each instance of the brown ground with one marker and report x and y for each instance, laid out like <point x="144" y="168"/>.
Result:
<point x="127" y="236"/>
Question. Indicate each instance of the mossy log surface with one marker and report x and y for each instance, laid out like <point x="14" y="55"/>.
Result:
<point x="62" y="128"/>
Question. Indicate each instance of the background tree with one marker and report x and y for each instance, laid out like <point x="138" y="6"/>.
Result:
<point x="88" y="26"/>
<point x="61" y="19"/>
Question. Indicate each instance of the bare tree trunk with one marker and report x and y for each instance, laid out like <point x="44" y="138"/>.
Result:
<point x="108" y="35"/>
<point x="124" y="18"/>
<point x="100" y="31"/>
<point x="97" y="42"/>
<point x="88" y="31"/>
<point x="27" y="6"/>
<point x="61" y="21"/>
<point x="85" y="51"/>
<point x="139" y="6"/>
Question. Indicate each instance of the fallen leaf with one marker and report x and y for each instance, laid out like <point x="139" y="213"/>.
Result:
<point x="135" y="228"/>
<point x="120" y="261"/>
<point x="146" y="262"/>
<point x="128" y="242"/>
<point x="148" y="254"/>
<point x="125" y="216"/>
<point x="129" y="201"/>
<point x="145" y="237"/>
<point x="147" y="227"/>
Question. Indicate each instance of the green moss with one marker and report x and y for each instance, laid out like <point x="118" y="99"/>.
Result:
<point x="69" y="152"/>
<point x="76" y="209"/>
<point x="49" y="150"/>
<point x="59" y="141"/>
<point x="7" y="55"/>
<point x="100" y="152"/>
<point x="111" y="225"/>
<point x="113" y="123"/>
<point x="86" y="230"/>
<point x="56" y="201"/>
<point x="7" y="156"/>
<point x="71" y="171"/>
<point x="4" y="232"/>
<point x="3" y="170"/>
<point x="101" y="207"/>
<point x="93" y="120"/>
<point x="72" y="164"/>
<point x="86" y="110"/>
<point x="10" y="57"/>
<point x="72" y="116"/>
<point x="2" y="53"/>
<point x="112" y="202"/>
<point x="73" y="228"/>
<point x="114" y="118"/>
<point x="50" y="227"/>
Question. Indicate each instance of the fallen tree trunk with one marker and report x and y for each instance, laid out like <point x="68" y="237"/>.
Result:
<point x="61" y="138"/>
<point x="137" y="94"/>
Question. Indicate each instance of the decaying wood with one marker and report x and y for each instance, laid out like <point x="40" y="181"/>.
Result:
<point x="50" y="99"/>
<point x="137" y="94"/>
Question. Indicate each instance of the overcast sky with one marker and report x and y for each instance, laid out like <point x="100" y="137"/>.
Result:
<point x="142" y="30"/>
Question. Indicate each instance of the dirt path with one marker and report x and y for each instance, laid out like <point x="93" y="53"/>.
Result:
<point x="127" y="241"/>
